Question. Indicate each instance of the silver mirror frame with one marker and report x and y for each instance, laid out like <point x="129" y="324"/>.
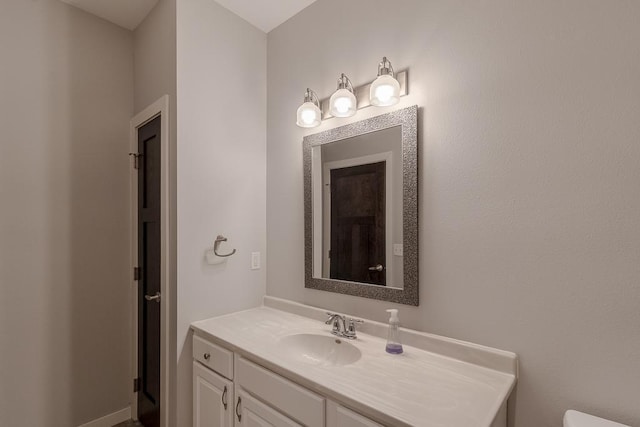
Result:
<point x="408" y="119"/>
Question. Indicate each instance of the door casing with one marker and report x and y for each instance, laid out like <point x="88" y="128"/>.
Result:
<point x="324" y="215"/>
<point x="158" y="108"/>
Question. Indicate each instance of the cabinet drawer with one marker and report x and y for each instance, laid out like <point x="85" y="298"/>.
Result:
<point x="213" y="356"/>
<point x="289" y="398"/>
<point x="339" y="416"/>
<point x="254" y="413"/>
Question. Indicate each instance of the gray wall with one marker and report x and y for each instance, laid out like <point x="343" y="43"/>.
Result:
<point x="155" y="76"/>
<point x="66" y="84"/>
<point x="222" y="91"/>
<point x="529" y="196"/>
<point x="218" y="165"/>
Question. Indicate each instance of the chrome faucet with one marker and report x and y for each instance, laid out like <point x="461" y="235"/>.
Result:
<point x="342" y="327"/>
<point x="337" y="323"/>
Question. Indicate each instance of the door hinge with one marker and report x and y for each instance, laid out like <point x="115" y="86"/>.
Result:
<point x="137" y="272"/>
<point x="136" y="384"/>
<point x="329" y="254"/>
<point x="136" y="160"/>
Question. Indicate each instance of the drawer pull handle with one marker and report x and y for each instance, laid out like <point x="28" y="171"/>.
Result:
<point x="224" y="398"/>
<point x="207" y="356"/>
<point x="238" y="414"/>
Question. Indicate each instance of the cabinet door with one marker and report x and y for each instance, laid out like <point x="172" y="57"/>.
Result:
<point x="253" y="413"/>
<point x="339" y="416"/>
<point x="212" y="398"/>
<point x="277" y="392"/>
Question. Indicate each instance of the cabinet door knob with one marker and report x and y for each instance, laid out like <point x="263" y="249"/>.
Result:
<point x="224" y="398"/>
<point x="238" y="414"/>
<point x="207" y="356"/>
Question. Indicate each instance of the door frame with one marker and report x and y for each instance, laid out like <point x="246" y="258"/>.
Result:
<point x="158" y="108"/>
<point x="325" y="220"/>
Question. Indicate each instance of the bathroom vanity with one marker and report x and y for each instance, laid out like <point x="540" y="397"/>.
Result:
<point x="279" y="365"/>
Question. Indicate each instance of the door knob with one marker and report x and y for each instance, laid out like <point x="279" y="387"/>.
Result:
<point x="155" y="297"/>
<point x="378" y="267"/>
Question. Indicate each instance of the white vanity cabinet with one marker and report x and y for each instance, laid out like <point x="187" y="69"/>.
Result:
<point x="284" y="368"/>
<point x="253" y="396"/>
<point x="251" y="412"/>
<point x="213" y="388"/>
<point x="213" y="398"/>
<point x="339" y="416"/>
<point x="289" y="398"/>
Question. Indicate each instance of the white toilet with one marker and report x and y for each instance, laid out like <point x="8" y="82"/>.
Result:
<point x="580" y="419"/>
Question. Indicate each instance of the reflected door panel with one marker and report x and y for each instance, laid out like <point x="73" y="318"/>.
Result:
<point x="357" y="252"/>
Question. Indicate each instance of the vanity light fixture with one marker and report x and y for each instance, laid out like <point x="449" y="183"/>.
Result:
<point x="385" y="90"/>
<point x="343" y="102"/>
<point x="309" y="114"/>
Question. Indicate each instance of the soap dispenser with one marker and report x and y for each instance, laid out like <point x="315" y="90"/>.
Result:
<point x="393" y="341"/>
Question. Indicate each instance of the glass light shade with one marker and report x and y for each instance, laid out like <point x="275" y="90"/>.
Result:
<point x="385" y="91"/>
<point x="342" y="103"/>
<point x="308" y="115"/>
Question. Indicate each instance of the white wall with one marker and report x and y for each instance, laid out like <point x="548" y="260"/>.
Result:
<point x="155" y="76"/>
<point x="155" y="55"/>
<point x="66" y="84"/>
<point x="221" y="169"/>
<point x="529" y="198"/>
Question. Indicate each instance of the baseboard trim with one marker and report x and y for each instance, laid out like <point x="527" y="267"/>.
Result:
<point x="111" y="419"/>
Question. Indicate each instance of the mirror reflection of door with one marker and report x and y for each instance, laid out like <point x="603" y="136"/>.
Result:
<point x="384" y="147"/>
<point x="358" y="203"/>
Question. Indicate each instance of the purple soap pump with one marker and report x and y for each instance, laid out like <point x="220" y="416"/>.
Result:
<point x="393" y="341"/>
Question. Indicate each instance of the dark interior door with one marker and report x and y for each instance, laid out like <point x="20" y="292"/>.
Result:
<point x="149" y="281"/>
<point x="358" y="224"/>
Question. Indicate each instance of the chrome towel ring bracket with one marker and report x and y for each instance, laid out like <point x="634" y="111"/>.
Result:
<point x="216" y="245"/>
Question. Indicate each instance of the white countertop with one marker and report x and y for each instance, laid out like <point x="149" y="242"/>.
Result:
<point x="416" y="388"/>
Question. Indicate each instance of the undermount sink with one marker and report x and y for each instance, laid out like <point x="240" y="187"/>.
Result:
<point x="319" y="349"/>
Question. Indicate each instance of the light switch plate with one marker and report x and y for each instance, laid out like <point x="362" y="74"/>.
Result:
<point x="255" y="260"/>
<point x="397" y="249"/>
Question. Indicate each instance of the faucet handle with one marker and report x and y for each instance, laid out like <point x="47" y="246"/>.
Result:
<point x="351" y="327"/>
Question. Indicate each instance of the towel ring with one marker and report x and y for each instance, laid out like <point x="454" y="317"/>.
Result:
<point x="216" y="244"/>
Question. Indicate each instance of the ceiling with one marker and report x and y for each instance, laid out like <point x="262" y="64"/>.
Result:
<point x="125" y="13"/>
<point x="264" y="14"/>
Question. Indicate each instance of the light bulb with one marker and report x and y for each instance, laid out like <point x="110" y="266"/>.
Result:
<point x="342" y="103"/>
<point x="308" y="115"/>
<point x="385" y="90"/>
<point x="384" y="93"/>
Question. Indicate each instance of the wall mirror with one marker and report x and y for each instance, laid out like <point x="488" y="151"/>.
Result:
<point x="361" y="208"/>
